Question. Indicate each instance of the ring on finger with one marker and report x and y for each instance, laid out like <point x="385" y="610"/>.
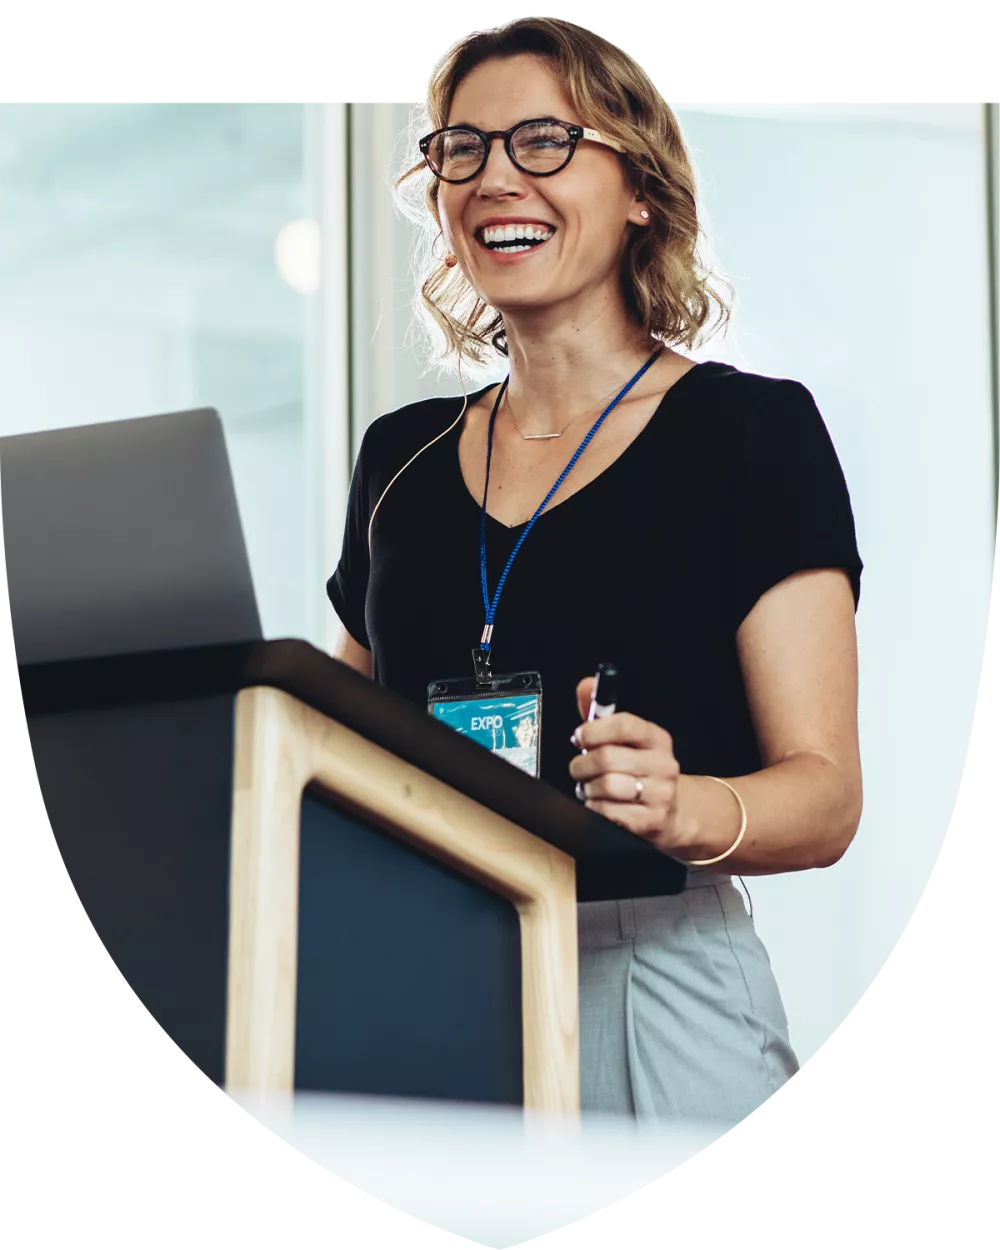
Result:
<point x="582" y="795"/>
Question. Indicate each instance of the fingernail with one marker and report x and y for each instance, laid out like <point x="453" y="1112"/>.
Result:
<point x="575" y="738"/>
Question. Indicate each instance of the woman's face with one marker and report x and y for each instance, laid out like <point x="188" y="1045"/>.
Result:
<point x="587" y="207"/>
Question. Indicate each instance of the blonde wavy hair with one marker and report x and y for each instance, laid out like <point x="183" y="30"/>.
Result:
<point x="666" y="287"/>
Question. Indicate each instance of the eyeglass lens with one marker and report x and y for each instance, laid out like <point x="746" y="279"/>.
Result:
<point x="538" y="148"/>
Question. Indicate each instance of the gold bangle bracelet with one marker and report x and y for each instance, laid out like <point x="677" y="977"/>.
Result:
<point x="701" y="863"/>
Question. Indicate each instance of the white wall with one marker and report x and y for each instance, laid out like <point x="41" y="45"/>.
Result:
<point x="856" y="240"/>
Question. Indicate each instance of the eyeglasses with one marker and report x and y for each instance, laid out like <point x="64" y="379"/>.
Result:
<point x="540" y="147"/>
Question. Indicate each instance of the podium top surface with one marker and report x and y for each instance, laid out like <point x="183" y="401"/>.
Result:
<point x="611" y="862"/>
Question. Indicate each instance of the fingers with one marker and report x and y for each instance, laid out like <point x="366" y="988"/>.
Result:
<point x="609" y="759"/>
<point x="623" y="728"/>
<point x="621" y="759"/>
<point x="644" y="822"/>
<point x="621" y="788"/>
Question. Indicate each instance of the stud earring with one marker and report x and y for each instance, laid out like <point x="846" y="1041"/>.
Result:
<point x="451" y="260"/>
<point x="644" y="215"/>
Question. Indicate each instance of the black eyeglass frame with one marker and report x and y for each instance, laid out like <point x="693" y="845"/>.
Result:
<point x="576" y="133"/>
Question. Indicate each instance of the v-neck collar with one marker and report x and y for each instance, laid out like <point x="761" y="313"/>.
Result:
<point x="700" y="367"/>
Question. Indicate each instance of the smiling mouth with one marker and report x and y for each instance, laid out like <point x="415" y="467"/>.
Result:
<point x="515" y="238"/>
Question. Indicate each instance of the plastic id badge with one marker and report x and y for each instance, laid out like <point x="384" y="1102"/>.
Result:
<point x="505" y="715"/>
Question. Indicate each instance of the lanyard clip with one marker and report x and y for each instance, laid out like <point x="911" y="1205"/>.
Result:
<point x="481" y="658"/>
<point x="481" y="664"/>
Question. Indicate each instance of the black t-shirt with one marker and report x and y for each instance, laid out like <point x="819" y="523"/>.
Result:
<point x="732" y="486"/>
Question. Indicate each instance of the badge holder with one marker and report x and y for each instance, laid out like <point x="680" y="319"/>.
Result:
<point x="500" y="711"/>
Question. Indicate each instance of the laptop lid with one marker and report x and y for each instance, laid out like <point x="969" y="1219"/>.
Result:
<point x="124" y="536"/>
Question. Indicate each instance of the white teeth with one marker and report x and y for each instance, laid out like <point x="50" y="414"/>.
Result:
<point x="493" y="235"/>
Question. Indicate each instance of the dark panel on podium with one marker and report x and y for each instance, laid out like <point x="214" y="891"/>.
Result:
<point x="409" y="979"/>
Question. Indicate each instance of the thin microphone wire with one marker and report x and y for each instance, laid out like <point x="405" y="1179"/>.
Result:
<point x="461" y="414"/>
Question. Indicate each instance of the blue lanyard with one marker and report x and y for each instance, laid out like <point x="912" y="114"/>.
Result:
<point x="491" y="606"/>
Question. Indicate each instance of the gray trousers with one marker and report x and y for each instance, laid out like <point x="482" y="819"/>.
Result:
<point x="680" y="1015"/>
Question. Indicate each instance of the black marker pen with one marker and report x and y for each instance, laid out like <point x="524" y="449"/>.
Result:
<point x="603" y="702"/>
<point x="606" y="693"/>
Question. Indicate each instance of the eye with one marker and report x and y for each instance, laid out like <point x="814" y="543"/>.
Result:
<point x="542" y="147"/>
<point x="461" y="144"/>
<point x="540" y="141"/>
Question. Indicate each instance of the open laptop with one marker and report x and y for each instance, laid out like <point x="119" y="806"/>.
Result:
<point x="123" y="537"/>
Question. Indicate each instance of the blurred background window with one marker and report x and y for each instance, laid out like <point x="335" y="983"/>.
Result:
<point x="138" y="276"/>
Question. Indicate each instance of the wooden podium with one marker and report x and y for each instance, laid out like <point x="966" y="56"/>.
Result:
<point x="310" y="883"/>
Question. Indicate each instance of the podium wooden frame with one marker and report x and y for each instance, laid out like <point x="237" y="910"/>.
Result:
<point x="281" y="747"/>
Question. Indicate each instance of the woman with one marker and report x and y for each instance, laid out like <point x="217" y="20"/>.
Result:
<point x="702" y="538"/>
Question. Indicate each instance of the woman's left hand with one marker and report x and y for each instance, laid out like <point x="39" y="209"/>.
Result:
<point x="629" y="772"/>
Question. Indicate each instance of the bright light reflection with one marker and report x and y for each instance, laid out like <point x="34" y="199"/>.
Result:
<point x="297" y="255"/>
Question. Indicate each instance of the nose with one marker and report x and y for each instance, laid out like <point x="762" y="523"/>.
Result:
<point x="500" y="176"/>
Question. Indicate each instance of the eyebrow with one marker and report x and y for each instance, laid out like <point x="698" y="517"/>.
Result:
<point x="537" y="117"/>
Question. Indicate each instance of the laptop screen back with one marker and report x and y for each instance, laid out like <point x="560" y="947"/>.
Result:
<point x="122" y="537"/>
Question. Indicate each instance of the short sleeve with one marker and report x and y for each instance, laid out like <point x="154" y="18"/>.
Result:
<point x="348" y="587"/>
<point x="793" y="511"/>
